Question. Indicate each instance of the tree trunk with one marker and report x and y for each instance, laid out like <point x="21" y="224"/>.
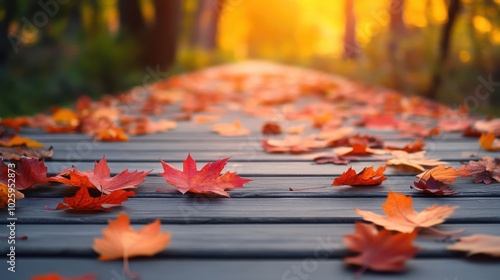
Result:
<point x="131" y="20"/>
<point x="350" y="43"/>
<point x="205" y="28"/>
<point x="397" y="30"/>
<point x="161" y="44"/>
<point x="444" y="47"/>
<point x="10" y="9"/>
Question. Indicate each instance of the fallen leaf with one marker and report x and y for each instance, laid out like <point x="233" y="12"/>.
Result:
<point x="17" y="152"/>
<point x="120" y="240"/>
<point x="478" y="244"/>
<point x="206" y="181"/>
<point x="492" y="126"/>
<point x="143" y="125"/>
<point x="82" y="201"/>
<point x="112" y="134"/>
<point x="401" y="217"/>
<point x="382" y="122"/>
<point x="55" y="276"/>
<point x="100" y="178"/>
<point x="20" y="141"/>
<point x="231" y="129"/>
<point x="205" y="118"/>
<point x="334" y="159"/>
<point x="488" y="142"/>
<point x="29" y="172"/>
<point x="357" y="139"/>
<point x="65" y="116"/>
<point x="367" y="177"/>
<point x="379" y="250"/>
<point x="412" y="147"/>
<point x="6" y="193"/>
<point x="332" y="135"/>
<point x="484" y="170"/>
<point x="271" y="128"/>
<point x="445" y="174"/>
<point x="454" y="125"/>
<point x="292" y="144"/>
<point x="358" y="150"/>
<point x="433" y="186"/>
<point x="415" y="160"/>
<point x="418" y="130"/>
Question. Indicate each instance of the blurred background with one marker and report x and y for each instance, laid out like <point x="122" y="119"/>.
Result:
<point x="52" y="51"/>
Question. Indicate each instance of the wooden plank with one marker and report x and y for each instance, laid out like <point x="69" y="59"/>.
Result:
<point x="228" y="241"/>
<point x="231" y="146"/>
<point x="229" y="269"/>
<point x="249" y="153"/>
<point x="280" y="187"/>
<point x="250" y="168"/>
<point x="200" y="209"/>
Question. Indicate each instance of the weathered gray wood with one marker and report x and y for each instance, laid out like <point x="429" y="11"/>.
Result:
<point x="280" y="187"/>
<point x="250" y="153"/>
<point x="250" y="168"/>
<point x="229" y="269"/>
<point x="229" y="241"/>
<point x="199" y="209"/>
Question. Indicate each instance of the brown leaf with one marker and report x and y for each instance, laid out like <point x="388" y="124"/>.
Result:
<point x="17" y="152"/>
<point x="445" y="174"/>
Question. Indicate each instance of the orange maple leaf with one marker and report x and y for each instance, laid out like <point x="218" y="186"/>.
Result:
<point x="488" y="142"/>
<point x="401" y="216"/>
<point x="367" y="177"/>
<point x="445" y="174"/>
<point x="207" y="181"/>
<point x="292" y="144"/>
<point x="379" y="250"/>
<point x="112" y="134"/>
<point x="55" y="276"/>
<point x="478" y="244"/>
<point x="82" y="201"/>
<point x="120" y="240"/>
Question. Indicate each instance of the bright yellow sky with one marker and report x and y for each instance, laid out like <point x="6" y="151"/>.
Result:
<point x="300" y="28"/>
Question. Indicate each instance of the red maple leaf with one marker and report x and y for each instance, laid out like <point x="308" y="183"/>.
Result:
<point x="367" y="177"/>
<point x="412" y="147"/>
<point x="29" y="172"/>
<point x="207" y="181"/>
<point x="484" y="170"/>
<point x="100" y="178"/>
<point x="82" y="201"/>
<point x="380" y="250"/>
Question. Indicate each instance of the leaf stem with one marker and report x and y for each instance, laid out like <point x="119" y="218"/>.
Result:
<point x="305" y="189"/>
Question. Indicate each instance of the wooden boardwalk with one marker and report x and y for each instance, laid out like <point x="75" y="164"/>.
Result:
<point x="264" y="231"/>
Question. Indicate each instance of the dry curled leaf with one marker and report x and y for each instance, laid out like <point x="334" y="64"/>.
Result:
<point x="17" y="152"/>
<point x="484" y="170"/>
<point x="208" y="180"/>
<point x="367" y="177"/>
<point x="400" y="215"/>
<point x="271" y="128"/>
<point x="82" y="201"/>
<point x="380" y="250"/>
<point x="414" y="160"/>
<point x="433" y="186"/>
<point x="478" y="244"/>
<point x="445" y="174"/>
